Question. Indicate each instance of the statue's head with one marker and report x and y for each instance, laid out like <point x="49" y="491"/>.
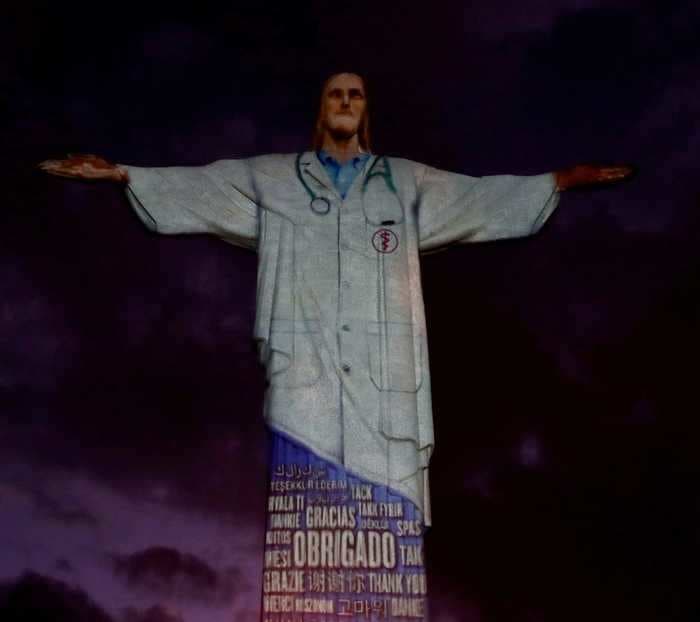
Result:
<point x="343" y="110"/>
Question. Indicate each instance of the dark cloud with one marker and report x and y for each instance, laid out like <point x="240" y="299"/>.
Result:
<point x="168" y="572"/>
<point x="66" y="511"/>
<point x="65" y="507"/>
<point x="37" y="344"/>
<point x="612" y="96"/>
<point x="84" y="405"/>
<point x="64" y="566"/>
<point x="36" y="598"/>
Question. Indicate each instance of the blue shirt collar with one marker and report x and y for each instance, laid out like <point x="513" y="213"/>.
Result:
<point x="328" y="160"/>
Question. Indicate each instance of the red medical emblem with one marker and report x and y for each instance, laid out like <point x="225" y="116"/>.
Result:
<point x="385" y="241"/>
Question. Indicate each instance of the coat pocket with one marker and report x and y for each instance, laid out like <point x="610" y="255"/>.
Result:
<point x="294" y="360"/>
<point x="395" y="356"/>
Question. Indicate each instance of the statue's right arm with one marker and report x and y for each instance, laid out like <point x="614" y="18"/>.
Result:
<point x="218" y="198"/>
<point x="86" y="166"/>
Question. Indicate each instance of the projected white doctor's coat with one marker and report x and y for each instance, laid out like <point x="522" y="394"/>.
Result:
<point x="340" y="320"/>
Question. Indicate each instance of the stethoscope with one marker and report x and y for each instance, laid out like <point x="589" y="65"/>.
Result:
<point x="379" y="168"/>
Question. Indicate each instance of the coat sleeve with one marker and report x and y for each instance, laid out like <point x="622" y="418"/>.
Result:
<point x="454" y="208"/>
<point x="218" y="198"/>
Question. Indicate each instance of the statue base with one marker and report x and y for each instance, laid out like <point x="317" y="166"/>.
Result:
<point x="338" y="546"/>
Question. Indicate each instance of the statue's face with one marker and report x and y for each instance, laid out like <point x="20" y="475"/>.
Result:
<point x="343" y="105"/>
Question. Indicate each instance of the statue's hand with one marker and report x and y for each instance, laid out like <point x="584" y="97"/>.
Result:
<point x="591" y="175"/>
<point x="85" y="166"/>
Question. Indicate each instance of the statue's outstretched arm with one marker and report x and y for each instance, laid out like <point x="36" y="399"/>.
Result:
<point x="459" y="208"/>
<point x="85" y="166"/>
<point x="591" y="175"/>
<point x="217" y="198"/>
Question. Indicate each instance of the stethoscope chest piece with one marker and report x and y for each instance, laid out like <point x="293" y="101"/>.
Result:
<point x="320" y="205"/>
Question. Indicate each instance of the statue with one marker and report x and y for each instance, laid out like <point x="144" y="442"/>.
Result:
<point x="341" y="331"/>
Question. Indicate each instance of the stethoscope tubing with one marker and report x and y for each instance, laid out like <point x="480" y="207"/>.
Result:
<point x="321" y="205"/>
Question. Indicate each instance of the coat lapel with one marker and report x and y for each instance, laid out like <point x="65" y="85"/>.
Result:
<point x="315" y="174"/>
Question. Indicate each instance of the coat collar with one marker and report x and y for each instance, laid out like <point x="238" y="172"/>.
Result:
<point x="314" y="173"/>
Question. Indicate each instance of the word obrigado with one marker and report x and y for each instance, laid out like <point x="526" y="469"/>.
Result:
<point x="343" y="549"/>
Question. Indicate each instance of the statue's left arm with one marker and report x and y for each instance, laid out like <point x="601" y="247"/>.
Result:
<point x="455" y="208"/>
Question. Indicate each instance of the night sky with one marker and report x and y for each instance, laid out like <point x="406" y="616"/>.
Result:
<point x="566" y="475"/>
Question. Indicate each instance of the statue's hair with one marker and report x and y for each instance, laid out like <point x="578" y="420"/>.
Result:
<point x="363" y="129"/>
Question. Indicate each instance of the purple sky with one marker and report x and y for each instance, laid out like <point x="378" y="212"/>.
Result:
<point x="566" y="470"/>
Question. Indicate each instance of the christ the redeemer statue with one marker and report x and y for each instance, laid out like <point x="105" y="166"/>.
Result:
<point x="341" y="332"/>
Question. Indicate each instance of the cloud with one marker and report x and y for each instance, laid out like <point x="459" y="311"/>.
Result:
<point x="37" y="341"/>
<point x="63" y="565"/>
<point x="166" y="571"/>
<point x="39" y="598"/>
<point x="128" y="526"/>
<point x="63" y="510"/>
